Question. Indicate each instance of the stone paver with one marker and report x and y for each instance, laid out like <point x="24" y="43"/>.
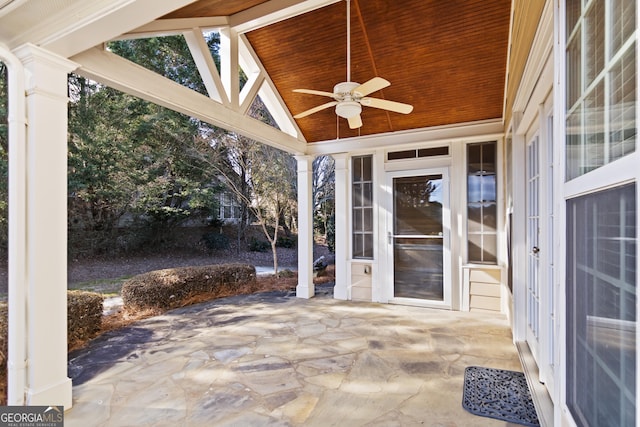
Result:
<point x="275" y="360"/>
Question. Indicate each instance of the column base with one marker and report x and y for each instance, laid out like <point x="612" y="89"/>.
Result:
<point x="57" y="394"/>
<point x="305" y="291"/>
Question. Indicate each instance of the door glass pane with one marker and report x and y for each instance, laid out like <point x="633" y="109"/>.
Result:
<point x="418" y="237"/>
<point x="418" y="205"/>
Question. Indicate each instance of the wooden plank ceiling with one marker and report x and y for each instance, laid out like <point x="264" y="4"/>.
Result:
<point x="446" y="58"/>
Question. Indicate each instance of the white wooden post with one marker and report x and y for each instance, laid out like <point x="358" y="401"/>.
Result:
<point x="305" y="288"/>
<point x="46" y="222"/>
<point x="340" y="291"/>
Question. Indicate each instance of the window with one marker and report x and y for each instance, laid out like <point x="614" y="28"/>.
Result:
<point x="601" y="307"/>
<point x="601" y="84"/>
<point x="601" y="273"/>
<point x="362" y="207"/>
<point x="229" y="207"/>
<point x="419" y="153"/>
<point x="481" y="203"/>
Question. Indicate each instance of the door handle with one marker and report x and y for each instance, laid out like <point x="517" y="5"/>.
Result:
<point x="535" y="250"/>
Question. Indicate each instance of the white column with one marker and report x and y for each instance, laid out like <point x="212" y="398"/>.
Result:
<point x="46" y="223"/>
<point x="519" y="237"/>
<point x="305" y="288"/>
<point x="340" y="291"/>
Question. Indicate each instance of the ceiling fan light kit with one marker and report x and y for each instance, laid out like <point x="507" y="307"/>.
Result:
<point x="349" y="97"/>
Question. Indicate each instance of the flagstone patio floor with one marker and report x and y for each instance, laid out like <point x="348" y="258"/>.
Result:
<point x="276" y="360"/>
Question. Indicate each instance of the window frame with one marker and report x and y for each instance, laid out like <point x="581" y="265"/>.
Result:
<point x="496" y="185"/>
<point x="361" y="233"/>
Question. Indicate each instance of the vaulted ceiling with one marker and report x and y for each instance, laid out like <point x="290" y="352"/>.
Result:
<point x="446" y="58"/>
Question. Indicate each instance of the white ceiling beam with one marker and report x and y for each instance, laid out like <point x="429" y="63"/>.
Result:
<point x="93" y="22"/>
<point x="206" y="65"/>
<point x="273" y="11"/>
<point x="119" y="73"/>
<point x="268" y="93"/>
<point x="229" y="65"/>
<point x="170" y="27"/>
<point x="250" y="90"/>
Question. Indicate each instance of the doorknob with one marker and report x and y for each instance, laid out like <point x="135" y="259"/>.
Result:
<point x="535" y="249"/>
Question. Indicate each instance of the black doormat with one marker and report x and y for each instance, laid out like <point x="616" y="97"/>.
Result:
<point x="496" y="393"/>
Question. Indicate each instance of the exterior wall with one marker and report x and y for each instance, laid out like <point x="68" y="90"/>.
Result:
<point x="361" y="281"/>
<point x="483" y="285"/>
<point x="372" y="280"/>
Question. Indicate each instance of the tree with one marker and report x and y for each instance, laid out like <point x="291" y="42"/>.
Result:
<point x="4" y="160"/>
<point x="103" y="154"/>
<point x="323" y="193"/>
<point x="129" y="156"/>
<point x="261" y="177"/>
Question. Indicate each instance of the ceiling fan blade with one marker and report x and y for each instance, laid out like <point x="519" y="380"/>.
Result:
<point x="315" y="92"/>
<point x="373" y="85"/>
<point x="315" y="109"/>
<point x="383" y="104"/>
<point x="355" y="122"/>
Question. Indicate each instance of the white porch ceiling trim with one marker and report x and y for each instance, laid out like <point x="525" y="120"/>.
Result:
<point x="258" y="16"/>
<point x="468" y="132"/>
<point x="273" y="11"/>
<point x="119" y="73"/>
<point x="91" y="22"/>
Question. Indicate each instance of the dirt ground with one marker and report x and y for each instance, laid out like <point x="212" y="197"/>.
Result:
<point x="106" y="274"/>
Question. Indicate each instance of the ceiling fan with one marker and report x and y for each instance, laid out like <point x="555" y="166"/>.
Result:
<point x="349" y="97"/>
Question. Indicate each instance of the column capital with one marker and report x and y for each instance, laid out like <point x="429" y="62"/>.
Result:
<point x="29" y="53"/>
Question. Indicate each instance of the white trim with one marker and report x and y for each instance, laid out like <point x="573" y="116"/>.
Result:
<point x="92" y="22"/>
<point x="272" y="12"/>
<point x="171" y="27"/>
<point x="489" y="130"/>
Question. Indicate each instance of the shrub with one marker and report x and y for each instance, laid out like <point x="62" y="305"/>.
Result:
<point x="256" y="245"/>
<point x="215" y="241"/>
<point x="176" y="287"/>
<point x="286" y="242"/>
<point x="84" y="315"/>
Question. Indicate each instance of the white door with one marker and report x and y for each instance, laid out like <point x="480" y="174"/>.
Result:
<point x="418" y="233"/>
<point x="541" y="298"/>
<point x="533" y="245"/>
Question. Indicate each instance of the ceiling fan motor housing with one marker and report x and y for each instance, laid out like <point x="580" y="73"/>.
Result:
<point x="348" y="106"/>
